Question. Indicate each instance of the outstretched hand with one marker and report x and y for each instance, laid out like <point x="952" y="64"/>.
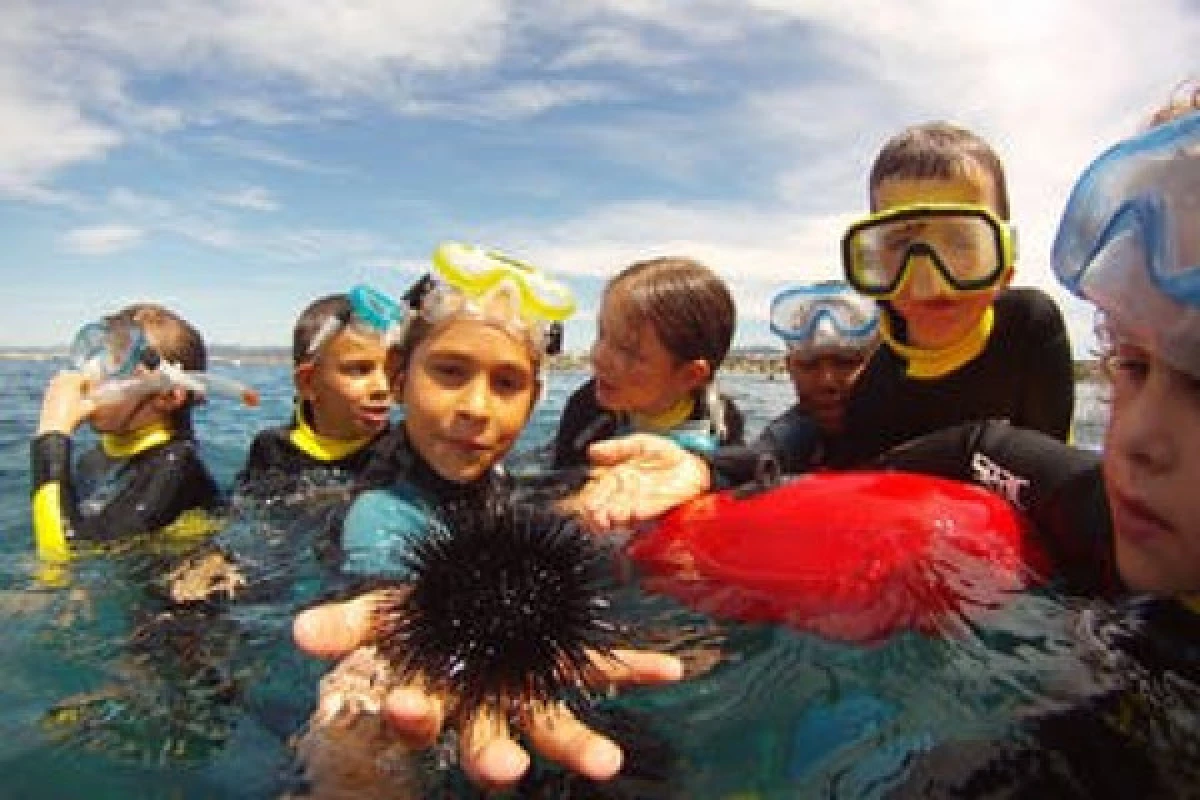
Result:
<point x="636" y="478"/>
<point x="488" y="750"/>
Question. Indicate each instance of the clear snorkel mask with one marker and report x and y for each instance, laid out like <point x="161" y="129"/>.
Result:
<point x="1129" y="239"/>
<point x="825" y="318"/>
<point x="370" y="312"/>
<point x="109" y="353"/>
<point x="492" y="286"/>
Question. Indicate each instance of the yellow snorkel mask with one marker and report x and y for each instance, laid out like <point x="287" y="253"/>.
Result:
<point x="495" y="287"/>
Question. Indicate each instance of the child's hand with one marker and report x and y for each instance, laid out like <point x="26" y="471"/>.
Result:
<point x="65" y="403"/>
<point x="488" y="750"/>
<point x="637" y="478"/>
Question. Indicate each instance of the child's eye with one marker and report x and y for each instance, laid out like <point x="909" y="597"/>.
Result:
<point x="509" y="383"/>
<point x="448" y="371"/>
<point x="359" y="369"/>
<point x="1126" y="368"/>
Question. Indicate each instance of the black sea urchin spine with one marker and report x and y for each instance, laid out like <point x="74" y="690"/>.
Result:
<point x="506" y="606"/>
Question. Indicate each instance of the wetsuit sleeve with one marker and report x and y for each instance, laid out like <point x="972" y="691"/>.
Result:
<point x="1049" y="398"/>
<point x="163" y="482"/>
<point x="379" y="532"/>
<point x="1060" y="487"/>
<point x="582" y="423"/>
<point x="793" y="439"/>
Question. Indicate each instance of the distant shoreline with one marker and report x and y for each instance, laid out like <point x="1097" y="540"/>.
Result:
<point x="753" y="361"/>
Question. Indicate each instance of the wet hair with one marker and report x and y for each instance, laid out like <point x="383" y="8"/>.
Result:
<point x="1184" y="100"/>
<point x="175" y="340"/>
<point x="312" y="319"/>
<point x="418" y="329"/>
<point x="686" y="303"/>
<point x="939" y="150"/>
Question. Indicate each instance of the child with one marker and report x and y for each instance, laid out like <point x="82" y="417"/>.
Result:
<point x="938" y="254"/>
<point x="830" y="331"/>
<point x="135" y="383"/>
<point x="664" y="328"/>
<point x="340" y="351"/>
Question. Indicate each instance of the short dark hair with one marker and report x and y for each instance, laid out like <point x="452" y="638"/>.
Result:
<point x="939" y="150"/>
<point x="310" y="322"/>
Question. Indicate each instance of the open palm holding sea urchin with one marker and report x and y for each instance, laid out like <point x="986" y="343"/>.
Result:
<point x="505" y="611"/>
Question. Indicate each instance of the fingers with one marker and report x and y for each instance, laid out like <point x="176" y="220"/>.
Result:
<point x="609" y="452"/>
<point x="415" y="715"/>
<point x="560" y="737"/>
<point x="334" y="629"/>
<point x="638" y="667"/>
<point x="491" y="758"/>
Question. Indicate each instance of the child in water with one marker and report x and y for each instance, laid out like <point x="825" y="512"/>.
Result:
<point x="135" y="381"/>
<point x="664" y="328"/>
<point x="468" y="376"/>
<point x="938" y="252"/>
<point x="340" y="351"/>
<point x="829" y="331"/>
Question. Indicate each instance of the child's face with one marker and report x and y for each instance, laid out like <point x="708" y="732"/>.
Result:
<point x="936" y="315"/>
<point x="468" y="391"/>
<point x="634" y="371"/>
<point x="128" y="414"/>
<point x="823" y="384"/>
<point x="346" y="387"/>
<point x="1152" y="471"/>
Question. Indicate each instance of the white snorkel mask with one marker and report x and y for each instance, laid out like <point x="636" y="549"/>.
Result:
<point x="1129" y="240"/>
<point x="825" y="318"/>
<point x="494" y="287"/>
<point x="109" y="353"/>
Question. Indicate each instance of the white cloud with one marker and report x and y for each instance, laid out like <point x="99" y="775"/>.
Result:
<point x="253" y="198"/>
<point x="102" y="240"/>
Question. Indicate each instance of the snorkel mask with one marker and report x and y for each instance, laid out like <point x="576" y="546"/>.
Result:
<point x="1129" y="239"/>
<point x="109" y="353"/>
<point x="370" y="312"/>
<point x="825" y="318"/>
<point x="497" y="288"/>
<point x="970" y="247"/>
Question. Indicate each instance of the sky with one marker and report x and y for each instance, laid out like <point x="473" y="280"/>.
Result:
<point x="235" y="159"/>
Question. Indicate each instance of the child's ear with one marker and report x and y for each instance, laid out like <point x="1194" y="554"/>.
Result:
<point x="396" y="381"/>
<point x="302" y="377"/>
<point x="696" y="373"/>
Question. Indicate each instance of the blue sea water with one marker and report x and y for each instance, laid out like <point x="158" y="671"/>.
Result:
<point x="88" y="710"/>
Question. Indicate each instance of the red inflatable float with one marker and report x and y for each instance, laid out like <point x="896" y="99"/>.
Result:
<point x="856" y="556"/>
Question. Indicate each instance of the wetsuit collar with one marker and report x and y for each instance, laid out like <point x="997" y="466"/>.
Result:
<point x="127" y="445"/>
<point x="926" y="363"/>
<point x="1191" y="601"/>
<point x="667" y="420"/>
<point x="414" y="469"/>
<point x="323" y="448"/>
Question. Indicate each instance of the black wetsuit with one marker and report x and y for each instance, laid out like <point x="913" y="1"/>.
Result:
<point x="1129" y="725"/>
<point x="103" y="498"/>
<point x="1024" y="375"/>
<point x="584" y="422"/>
<point x="280" y="454"/>
<point x="796" y="440"/>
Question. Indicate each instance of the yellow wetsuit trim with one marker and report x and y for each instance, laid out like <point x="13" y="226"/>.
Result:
<point x="926" y="363"/>
<point x="127" y="445"/>
<point x="49" y="527"/>
<point x="1191" y="602"/>
<point x="664" y="421"/>
<point x="323" y="448"/>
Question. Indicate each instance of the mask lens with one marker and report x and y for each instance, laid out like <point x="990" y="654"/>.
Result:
<point x="825" y="317"/>
<point x="107" y="349"/>
<point x="966" y="246"/>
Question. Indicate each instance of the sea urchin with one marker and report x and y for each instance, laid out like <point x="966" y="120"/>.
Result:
<point x="505" y="607"/>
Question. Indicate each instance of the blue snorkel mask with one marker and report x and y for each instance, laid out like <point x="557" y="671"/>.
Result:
<point x="824" y="318"/>
<point x="1129" y="239"/>
<point x="119" y="362"/>
<point x="371" y="312"/>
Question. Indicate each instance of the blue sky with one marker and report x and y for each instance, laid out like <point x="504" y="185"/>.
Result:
<point x="236" y="159"/>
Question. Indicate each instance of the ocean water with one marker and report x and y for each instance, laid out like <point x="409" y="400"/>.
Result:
<point x="91" y="704"/>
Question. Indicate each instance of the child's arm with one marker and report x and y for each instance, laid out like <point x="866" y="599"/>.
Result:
<point x="55" y="508"/>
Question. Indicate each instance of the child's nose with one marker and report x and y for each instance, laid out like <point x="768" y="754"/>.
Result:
<point x="924" y="280"/>
<point x="475" y="398"/>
